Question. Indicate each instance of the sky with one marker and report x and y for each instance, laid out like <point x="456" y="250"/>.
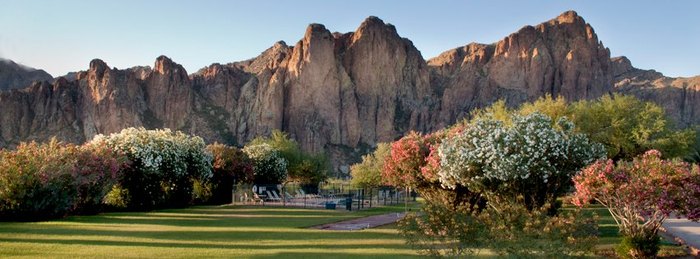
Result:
<point x="63" y="36"/>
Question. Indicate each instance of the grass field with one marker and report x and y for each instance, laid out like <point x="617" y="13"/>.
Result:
<point x="224" y="231"/>
<point x="203" y="231"/>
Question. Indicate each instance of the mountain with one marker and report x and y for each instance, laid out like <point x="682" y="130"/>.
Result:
<point x="339" y="93"/>
<point x="679" y="96"/>
<point x="15" y="76"/>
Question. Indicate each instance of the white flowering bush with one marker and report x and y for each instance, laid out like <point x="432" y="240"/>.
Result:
<point x="269" y="166"/>
<point x="164" y="166"/>
<point x="533" y="157"/>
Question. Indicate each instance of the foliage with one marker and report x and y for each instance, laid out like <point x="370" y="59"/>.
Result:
<point x="302" y="167"/>
<point x="43" y="181"/>
<point x="268" y="165"/>
<point x="628" y="127"/>
<point x="230" y="165"/>
<point x="641" y="194"/>
<point x="96" y="169"/>
<point x="638" y="247"/>
<point x="530" y="158"/>
<point x="403" y="166"/>
<point x="507" y="228"/>
<point x="164" y="166"/>
<point x="625" y="125"/>
<point x="368" y="173"/>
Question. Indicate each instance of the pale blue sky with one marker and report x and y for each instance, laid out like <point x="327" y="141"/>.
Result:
<point x="63" y="36"/>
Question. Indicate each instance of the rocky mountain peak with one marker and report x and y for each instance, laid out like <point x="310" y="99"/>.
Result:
<point x="98" y="68"/>
<point x="621" y="65"/>
<point x="338" y="93"/>
<point x="569" y="17"/>
<point x="16" y="76"/>
<point x="374" y="25"/>
<point x="165" y="65"/>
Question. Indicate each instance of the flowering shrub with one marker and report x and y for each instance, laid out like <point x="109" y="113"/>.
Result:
<point x="405" y="161"/>
<point x="269" y="166"/>
<point x="43" y="181"/>
<point x="164" y="166"/>
<point x="529" y="158"/>
<point x="229" y="165"/>
<point x="640" y="195"/>
<point x="95" y="169"/>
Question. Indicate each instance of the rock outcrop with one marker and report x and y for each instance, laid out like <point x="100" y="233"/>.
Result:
<point x="562" y="56"/>
<point x="16" y="76"/>
<point x="679" y="96"/>
<point x="338" y="93"/>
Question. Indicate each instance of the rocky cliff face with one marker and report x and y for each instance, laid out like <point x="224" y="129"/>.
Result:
<point x="16" y="76"/>
<point x="679" y="96"/>
<point x="559" y="57"/>
<point x="337" y="93"/>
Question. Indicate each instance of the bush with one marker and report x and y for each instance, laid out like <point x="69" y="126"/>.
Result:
<point x="638" y="246"/>
<point x="96" y="170"/>
<point x="533" y="158"/>
<point x="505" y="227"/>
<point x="269" y="166"/>
<point x="44" y="181"/>
<point x="640" y="195"/>
<point x="306" y="169"/>
<point x="165" y="166"/>
<point x="230" y="166"/>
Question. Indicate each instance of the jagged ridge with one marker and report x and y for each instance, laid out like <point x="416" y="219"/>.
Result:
<point x="337" y="93"/>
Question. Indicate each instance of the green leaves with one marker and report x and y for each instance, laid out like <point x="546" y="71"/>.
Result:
<point x="368" y="173"/>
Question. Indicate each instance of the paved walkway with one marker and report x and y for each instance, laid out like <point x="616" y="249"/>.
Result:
<point x="685" y="230"/>
<point x="362" y="223"/>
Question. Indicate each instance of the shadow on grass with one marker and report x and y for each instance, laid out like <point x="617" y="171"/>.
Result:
<point x="195" y="245"/>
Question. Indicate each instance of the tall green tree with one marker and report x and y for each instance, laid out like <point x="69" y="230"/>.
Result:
<point x="303" y="168"/>
<point x="368" y="173"/>
<point x="628" y="127"/>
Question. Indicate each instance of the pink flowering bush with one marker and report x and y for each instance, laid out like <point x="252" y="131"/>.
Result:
<point x="407" y="157"/>
<point x="640" y="195"/>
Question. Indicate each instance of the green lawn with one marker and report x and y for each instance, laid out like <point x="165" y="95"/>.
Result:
<point x="225" y="231"/>
<point x="202" y="231"/>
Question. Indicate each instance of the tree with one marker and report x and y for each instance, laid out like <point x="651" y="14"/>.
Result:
<point x="368" y="173"/>
<point x="640" y="195"/>
<point x="269" y="166"/>
<point x="628" y="127"/>
<point x="303" y="168"/>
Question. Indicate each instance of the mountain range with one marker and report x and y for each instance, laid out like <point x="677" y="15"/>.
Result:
<point x="339" y="93"/>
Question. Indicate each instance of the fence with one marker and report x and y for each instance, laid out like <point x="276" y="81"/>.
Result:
<point x="327" y="196"/>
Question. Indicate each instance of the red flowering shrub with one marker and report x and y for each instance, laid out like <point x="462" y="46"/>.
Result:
<point x="641" y="194"/>
<point x="404" y="165"/>
<point x="96" y="168"/>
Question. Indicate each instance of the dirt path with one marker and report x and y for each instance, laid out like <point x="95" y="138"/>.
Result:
<point x="362" y="223"/>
